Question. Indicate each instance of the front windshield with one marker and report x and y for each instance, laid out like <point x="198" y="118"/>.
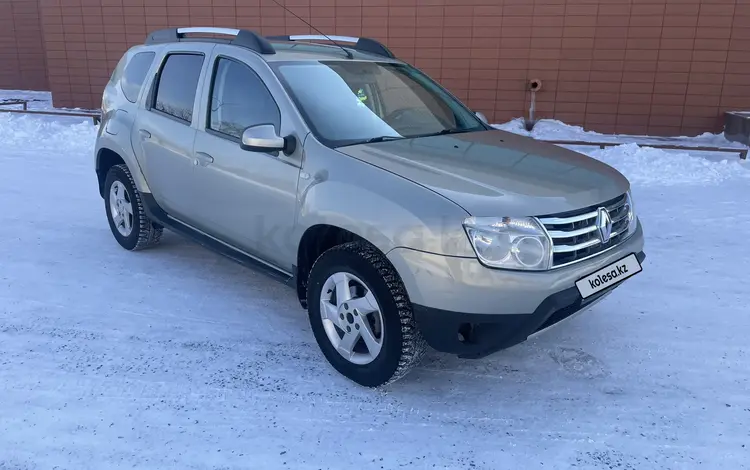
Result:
<point x="350" y="102"/>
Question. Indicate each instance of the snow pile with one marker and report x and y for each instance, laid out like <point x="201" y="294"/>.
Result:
<point x="551" y="129"/>
<point x="35" y="99"/>
<point x="645" y="166"/>
<point x="69" y="136"/>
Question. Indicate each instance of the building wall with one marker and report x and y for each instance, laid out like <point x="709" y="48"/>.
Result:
<point x="21" y="46"/>
<point x="631" y="66"/>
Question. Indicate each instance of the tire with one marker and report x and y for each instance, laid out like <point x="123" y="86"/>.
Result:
<point x="143" y="233"/>
<point x="402" y="346"/>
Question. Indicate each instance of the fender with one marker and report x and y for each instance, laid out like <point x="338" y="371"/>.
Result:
<point x="111" y="145"/>
<point x="385" y="209"/>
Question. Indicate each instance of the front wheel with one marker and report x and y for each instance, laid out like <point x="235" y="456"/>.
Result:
<point x="361" y="316"/>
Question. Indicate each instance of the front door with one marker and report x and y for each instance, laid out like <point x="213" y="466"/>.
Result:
<point x="248" y="199"/>
<point x="165" y="131"/>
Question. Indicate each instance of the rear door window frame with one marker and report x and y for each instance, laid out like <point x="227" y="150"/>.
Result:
<point x="153" y="93"/>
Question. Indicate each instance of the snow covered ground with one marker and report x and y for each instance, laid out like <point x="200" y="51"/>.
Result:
<point x="178" y="358"/>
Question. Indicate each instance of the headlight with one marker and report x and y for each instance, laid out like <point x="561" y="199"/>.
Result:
<point x="509" y="243"/>
<point x="632" y="219"/>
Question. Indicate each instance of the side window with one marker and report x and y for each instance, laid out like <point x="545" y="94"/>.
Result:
<point x="178" y="83"/>
<point x="135" y="74"/>
<point x="240" y="99"/>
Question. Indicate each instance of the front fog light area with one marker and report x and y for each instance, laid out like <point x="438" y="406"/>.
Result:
<point x="509" y="243"/>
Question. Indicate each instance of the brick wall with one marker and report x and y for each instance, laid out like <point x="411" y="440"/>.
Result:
<point x="21" y="47"/>
<point x="632" y="66"/>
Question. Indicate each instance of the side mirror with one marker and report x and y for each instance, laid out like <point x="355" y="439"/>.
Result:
<point x="263" y="138"/>
<point x="482" y="117"/>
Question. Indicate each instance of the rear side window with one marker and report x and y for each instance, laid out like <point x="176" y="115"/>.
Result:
<point x="135" y="74"/>
<point x="178" y="82"/>
<point x="117" y="72"/>
<point x="240" y="99"/>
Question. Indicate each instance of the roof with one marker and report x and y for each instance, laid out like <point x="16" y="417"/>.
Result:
<point x="280" y="48"/>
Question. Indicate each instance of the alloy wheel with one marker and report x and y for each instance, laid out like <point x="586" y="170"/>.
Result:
<point x="352" y="318"/>
<point x="121" y="208"/>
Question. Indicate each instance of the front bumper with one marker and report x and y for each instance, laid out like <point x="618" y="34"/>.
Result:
<point x="466" y="309"/>
<point x="477" y="335"/>
<point x="464" y="285"/>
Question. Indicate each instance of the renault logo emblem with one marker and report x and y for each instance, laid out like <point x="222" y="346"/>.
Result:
<point x="604" y="224"/>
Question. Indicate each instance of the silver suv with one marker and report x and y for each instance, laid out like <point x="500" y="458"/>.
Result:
<point x="399" y="216"/>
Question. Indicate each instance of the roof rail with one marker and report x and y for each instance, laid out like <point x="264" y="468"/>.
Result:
<point x="360" y="44"/>
<point x="242" y="37"/>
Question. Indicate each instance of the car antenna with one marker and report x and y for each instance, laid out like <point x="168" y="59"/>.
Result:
<point x="346" y="51"/>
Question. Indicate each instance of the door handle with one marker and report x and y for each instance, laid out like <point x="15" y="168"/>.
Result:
<point x="144" y="133"/>
<point x="203" y="159"/>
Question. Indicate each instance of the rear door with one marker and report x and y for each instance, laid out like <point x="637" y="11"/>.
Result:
<point x="165" y="129"/>
<point x="248" y="199"/>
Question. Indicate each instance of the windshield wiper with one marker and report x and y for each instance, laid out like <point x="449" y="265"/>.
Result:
<point x="383" y="138"/>
<point x="444" y="132"/>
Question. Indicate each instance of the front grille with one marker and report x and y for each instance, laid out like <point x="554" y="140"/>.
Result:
<point x="575" y="236"/>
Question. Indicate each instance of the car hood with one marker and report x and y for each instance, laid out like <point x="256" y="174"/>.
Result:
<point x="497" y="173"/>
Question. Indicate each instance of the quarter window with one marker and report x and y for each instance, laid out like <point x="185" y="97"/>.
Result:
<point x="135" y="74"/>
<point x="178" y="82"/>
<point x="240" y="99"/>
<point x="117" y="72"/>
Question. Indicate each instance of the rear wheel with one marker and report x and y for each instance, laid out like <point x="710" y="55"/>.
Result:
<point x="361" y="316"/>
<point x="128" y="221"/>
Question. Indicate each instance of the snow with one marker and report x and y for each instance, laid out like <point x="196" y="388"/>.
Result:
<point x="178" y="358"/>
<point x="647" y="166"/>
<point x="650" y="167"/>
<point x="37" y="100"/>
<point x="551" y="129"/>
